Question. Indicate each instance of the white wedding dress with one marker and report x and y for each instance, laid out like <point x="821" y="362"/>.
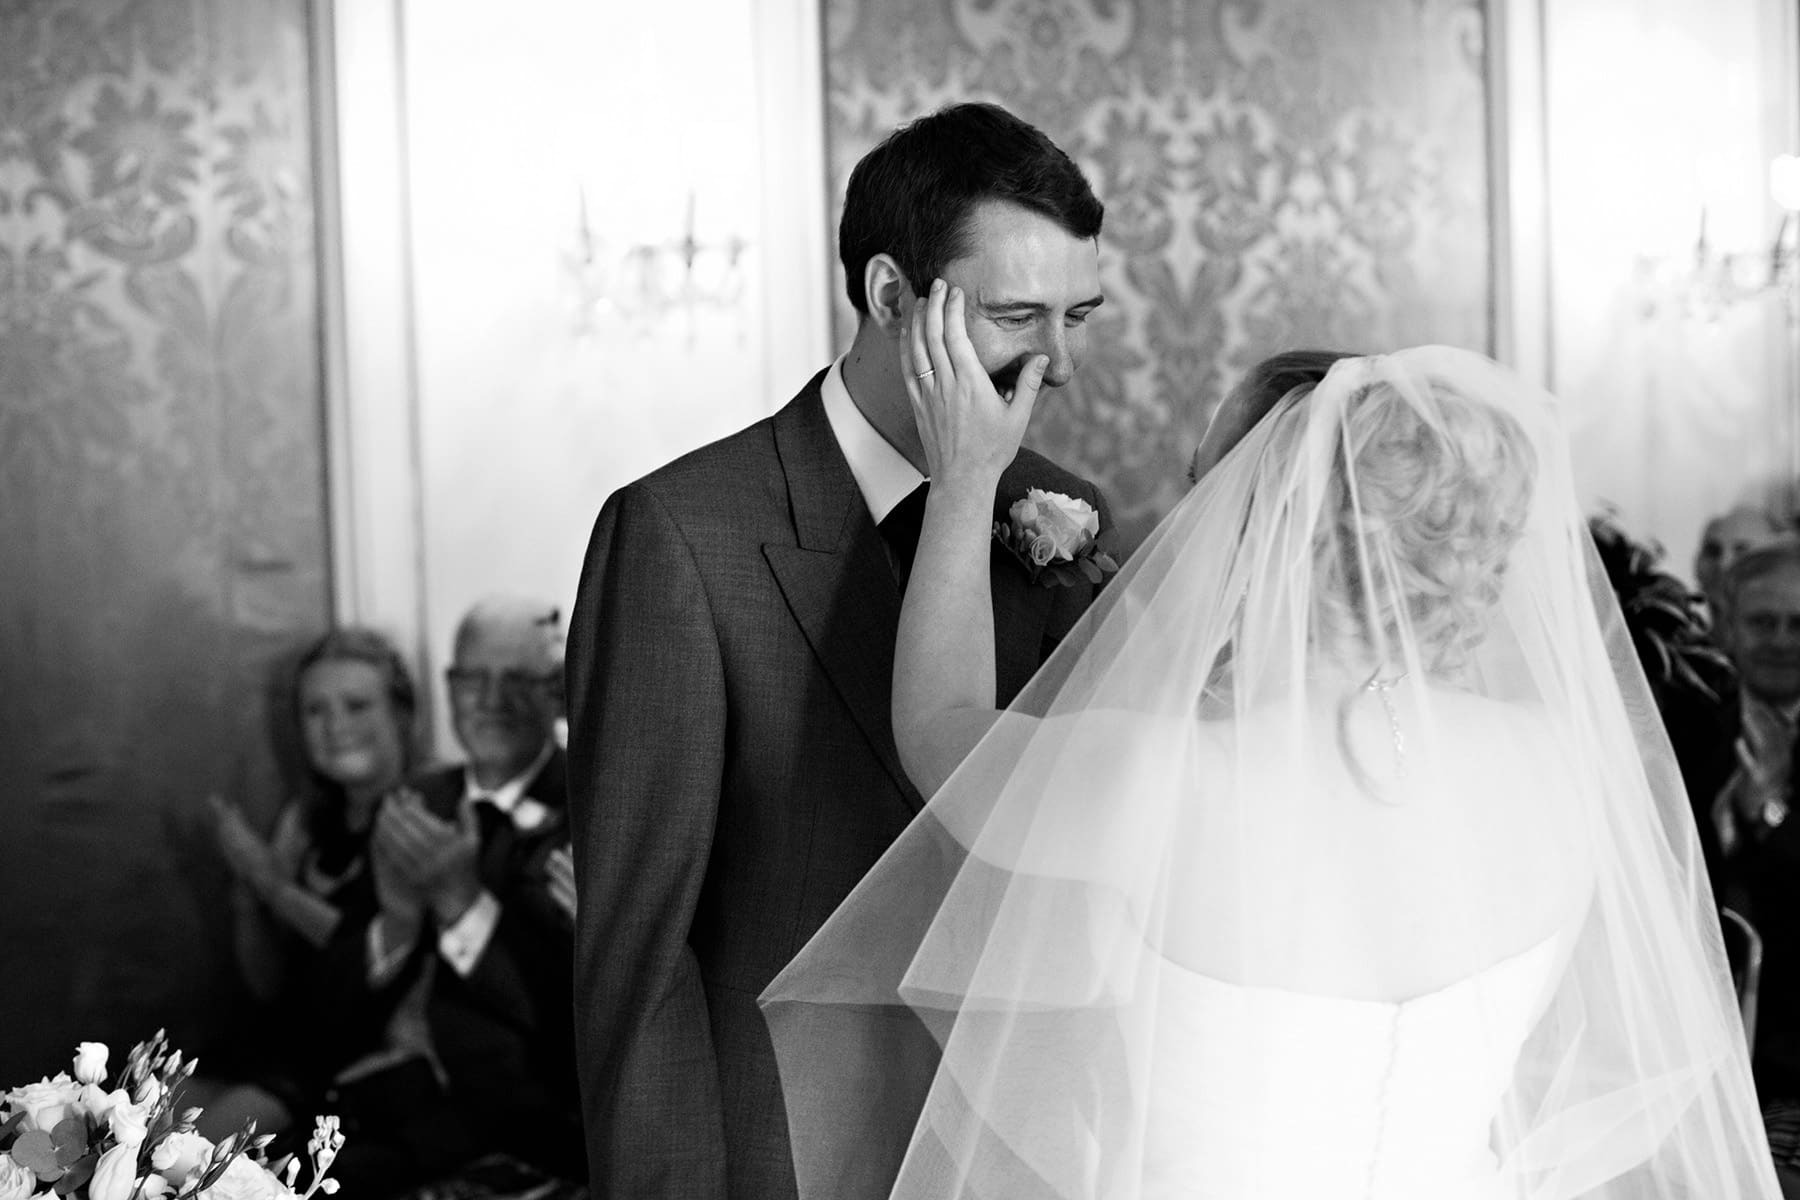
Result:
<point x="1338" y="853"/>
<point x="1261" y="1092"/>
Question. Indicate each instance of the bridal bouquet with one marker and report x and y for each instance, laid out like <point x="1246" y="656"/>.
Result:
<point x="73" y="1137"/>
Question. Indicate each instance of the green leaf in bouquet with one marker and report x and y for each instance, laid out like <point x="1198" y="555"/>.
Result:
<point x="9" y="1129"/>
<point x="71" y="1138"/>
<point x="1091" y="570"/>
<point x="36" y="1150"/>
<point x="77" y="1176"/>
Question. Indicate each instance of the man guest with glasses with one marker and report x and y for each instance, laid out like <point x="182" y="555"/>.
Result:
<point x="458" y="976"/>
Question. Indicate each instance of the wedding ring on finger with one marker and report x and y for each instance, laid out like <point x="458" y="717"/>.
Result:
<point x="927" y="373"/>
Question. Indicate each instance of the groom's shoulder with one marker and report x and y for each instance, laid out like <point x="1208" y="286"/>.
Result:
<point x="730" y="464"/>
<point x="739" y="469"/>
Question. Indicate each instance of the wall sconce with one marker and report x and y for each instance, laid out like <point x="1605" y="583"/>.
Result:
<point x="649" y="281"/>
<point x="1712" y="281"/>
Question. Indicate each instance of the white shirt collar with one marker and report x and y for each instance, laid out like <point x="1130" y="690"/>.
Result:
<point x="510" y="798"/>
<point x="882" y="474"/>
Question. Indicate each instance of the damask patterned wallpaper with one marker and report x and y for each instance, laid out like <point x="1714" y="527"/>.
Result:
<point x="1276" y="173"/>
<point x="162" y="487"/>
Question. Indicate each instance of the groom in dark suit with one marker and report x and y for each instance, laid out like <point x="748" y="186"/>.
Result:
<point x="732" y="772"/>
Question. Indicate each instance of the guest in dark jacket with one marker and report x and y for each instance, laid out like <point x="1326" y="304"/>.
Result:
<point x="456" y="978"/>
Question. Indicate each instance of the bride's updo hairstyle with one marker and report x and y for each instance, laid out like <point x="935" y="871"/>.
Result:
<point x="1440" y="499"/>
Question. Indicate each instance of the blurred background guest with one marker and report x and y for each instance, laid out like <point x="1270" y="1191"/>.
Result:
<point x="1761" y="601"/>
<point x="1722" y="540"/>
<point x="356" y="704"/>
<point x="454" y="978"/>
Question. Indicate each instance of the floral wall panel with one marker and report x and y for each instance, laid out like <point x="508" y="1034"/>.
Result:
<point x="1276" y="173"/>
<point x="162" y="483"/>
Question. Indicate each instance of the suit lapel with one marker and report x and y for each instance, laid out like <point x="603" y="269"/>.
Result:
<point x="837" y="580"/>
<point x="841" y="590"/>
<point x="1021" y="608"/>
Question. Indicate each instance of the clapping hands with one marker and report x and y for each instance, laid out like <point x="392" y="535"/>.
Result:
<point x="423" y="863"/>
<point x="246" y="854"/>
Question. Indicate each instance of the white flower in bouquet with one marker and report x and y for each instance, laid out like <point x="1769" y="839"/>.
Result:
<point x="44" y="1103"/>
<point x="244" y="1180"/>
<point x="98" y="1103"/>
<point x="89" y="1142"/>
<point x="178" y="1154"/>
<point x="90" y="1062"/>
<point x="128" y="1123"/>
<point x="115" y="1175"/>
<point x="16" y="1182"/>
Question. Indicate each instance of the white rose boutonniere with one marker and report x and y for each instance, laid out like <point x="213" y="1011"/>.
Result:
<point x="1054" y="536"/>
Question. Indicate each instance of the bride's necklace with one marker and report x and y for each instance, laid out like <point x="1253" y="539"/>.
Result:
<point x="1381" y="687"/>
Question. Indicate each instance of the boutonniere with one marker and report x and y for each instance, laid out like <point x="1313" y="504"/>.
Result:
<point x="1053" y="535"/>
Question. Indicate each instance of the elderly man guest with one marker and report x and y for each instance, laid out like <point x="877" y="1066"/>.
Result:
<point x="732" y="766"/>
<point x="1761" y="597"/>
<point x="459" y="979"/>
<point x="1725" y="538"/>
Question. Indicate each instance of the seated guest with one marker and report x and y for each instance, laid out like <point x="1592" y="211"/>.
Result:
<point x="1725" y="537"/>
<point x="457" y="977"/>
<point x="1761" y="598"/>
<point x="1759" y="843"/>
<point x="355" y="701"/>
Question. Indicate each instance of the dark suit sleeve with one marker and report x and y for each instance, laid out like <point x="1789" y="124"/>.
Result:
<point x="646" y="748"/>
<point x="1072" y="601"/>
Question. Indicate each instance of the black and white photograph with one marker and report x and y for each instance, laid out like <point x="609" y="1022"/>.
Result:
<point x="899" y="600"/>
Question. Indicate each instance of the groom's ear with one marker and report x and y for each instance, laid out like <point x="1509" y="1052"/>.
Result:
<point x="884" y="283"/>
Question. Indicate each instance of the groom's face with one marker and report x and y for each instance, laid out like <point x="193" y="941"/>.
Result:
<point x="1030" y="287"/>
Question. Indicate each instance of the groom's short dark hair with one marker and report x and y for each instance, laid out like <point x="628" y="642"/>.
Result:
<point x="911" y="196"/>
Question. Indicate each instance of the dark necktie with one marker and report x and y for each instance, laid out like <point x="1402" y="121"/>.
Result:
<point x="496" y="829"/>
<point x="900" y="529"/>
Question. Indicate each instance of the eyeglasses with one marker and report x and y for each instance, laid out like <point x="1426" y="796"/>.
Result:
<point x="515" y="687"/>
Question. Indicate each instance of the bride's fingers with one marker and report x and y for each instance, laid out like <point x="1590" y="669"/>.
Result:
<point x="1025" y="393"/>
<point x="914" y="359"/>
<point x="912" y="352"/>
<point x="957" y="348"/>
<point x="918" y="356"/>
<point x="934" y="335"/>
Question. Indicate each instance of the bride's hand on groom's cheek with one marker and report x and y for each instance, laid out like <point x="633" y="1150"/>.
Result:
<point x="967" y="427"/>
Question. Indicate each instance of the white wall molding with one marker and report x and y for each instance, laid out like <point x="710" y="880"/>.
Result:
<point x="1518" y="167"/>
<point x="796" y="242"/>
<point x="371" y="392"/>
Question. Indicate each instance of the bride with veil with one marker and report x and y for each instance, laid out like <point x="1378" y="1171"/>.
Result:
<point x="1338" y="852"/>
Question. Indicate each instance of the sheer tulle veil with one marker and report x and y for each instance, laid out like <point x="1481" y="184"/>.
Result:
<point x="1360" y="719"/>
